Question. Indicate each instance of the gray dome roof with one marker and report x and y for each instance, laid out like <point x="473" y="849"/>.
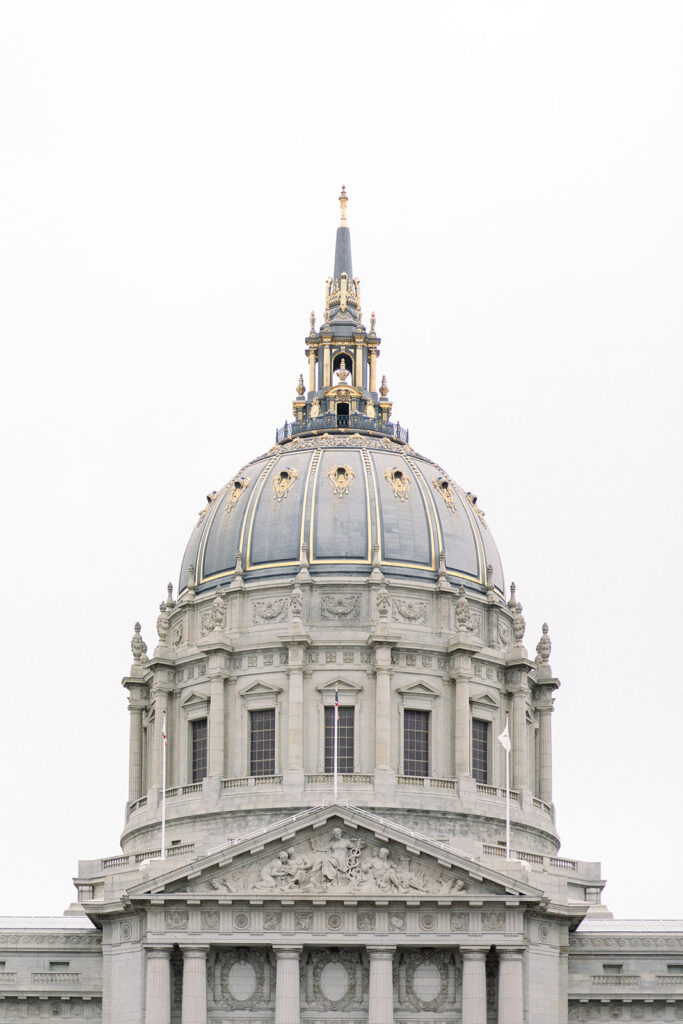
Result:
<point x="340" y="502"/>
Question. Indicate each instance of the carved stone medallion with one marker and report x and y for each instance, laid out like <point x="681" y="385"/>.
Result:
<point x="283" y="482"/>
<point x="398" y="481"/>
<point x="269" y="611"/>
<point x="446" y="489"/>
<point x="409" y="611"/>
<point x="340" y="607"/>
<point x="237" y="489"/>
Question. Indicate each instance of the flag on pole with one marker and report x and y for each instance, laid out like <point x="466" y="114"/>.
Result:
<point x="336" y="739"/>
<point x="336" y="704"/>
<point x="504" y="738"/>
<point x="163" y="732"/>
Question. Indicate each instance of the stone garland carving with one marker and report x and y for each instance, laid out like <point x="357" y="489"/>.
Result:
<point x="438" y="965"/>
<point x="340" y="607"/>
<point x="176" y="919"/>
<point x="283" y="482"/>
<point x="242" y="979"/>
<point x="341" y="478"/>
<point x="398" y="481"/>
<point x="475" y="624"/>
<point x="332" y="989"/>
<point x="269" y="658"/>
<point x="493" y="921"/>
<point x="446" y="489"/>
<point x="409" y="611"/>
<point x="503" y="633"/>
<point x="269" y="611"/>
<point x="339" y="863"/>
<point x="206" y="624"/>
<point x="237" y="488"/>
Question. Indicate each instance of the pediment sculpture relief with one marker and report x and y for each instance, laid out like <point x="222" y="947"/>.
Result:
<point x="336" y="863"/>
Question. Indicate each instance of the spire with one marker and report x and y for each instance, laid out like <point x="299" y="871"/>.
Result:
<point x="342" y="249"/>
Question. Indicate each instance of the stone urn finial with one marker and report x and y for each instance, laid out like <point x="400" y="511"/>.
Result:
<point x="544" y="646"/>
<point x="462" y="609"/>
<point x="163" y="622"/>
<point x="218" y="611"/>
<point x="138" y="645"/>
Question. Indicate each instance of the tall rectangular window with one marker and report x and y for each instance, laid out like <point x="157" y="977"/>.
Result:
<point x="415" y="742"/>
<point x="262" y="742"/>
<point x="480" y="750"/>
<point x="344" y="741"/>
<point x="199" y="749"/>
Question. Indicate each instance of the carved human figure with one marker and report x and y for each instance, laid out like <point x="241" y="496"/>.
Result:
<point x="315" y="409"/>
<point x="296" y="602"/>
<point x="275" y="872"/>
<point x="218" y="611"/>
<point x="462" y="609"/>
<point x="299" y="868"/>
<point x="380" y="870"/>
<point x="163" y="622"/>
<point x="370" y="408"/>
<point x="335" y="860"/>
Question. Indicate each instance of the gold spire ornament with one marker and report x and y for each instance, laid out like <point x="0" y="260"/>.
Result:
<point x="343" y="200"/>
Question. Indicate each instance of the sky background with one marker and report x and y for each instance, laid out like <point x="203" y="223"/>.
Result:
<point x="170" y="174"/>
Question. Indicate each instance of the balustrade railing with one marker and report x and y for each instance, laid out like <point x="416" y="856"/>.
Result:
<point x="321" y="778"/>
<point x="333" y="421"/>
<point x="54" y="977"/>
<point x="632" y="980"/>
<point x="532" y="858"/>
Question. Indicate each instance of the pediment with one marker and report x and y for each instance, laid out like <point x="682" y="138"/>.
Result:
<point x="343" y="685"/>
<point x="419" y="689"/>
<point x="335" y="853"/>
<point x="195" y="698"/>
<point x="484" y="699"/>
<point x="259" y="688"/>
<point x="343" y="391"/>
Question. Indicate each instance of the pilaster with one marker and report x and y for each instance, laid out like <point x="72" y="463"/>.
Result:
<point x="194" y="1008"/>
<point x="287" y="1008"/>
<point x="381" y="986"/>
<point x="473" y="985"/>
<point x="158" y="985"/>
<point x="510" y="987"/>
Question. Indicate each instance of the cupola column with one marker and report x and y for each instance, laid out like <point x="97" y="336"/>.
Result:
<point x="287" y="1009"/>
<point x="544" y="706"/>
<point x="473" y="985"/>
<point x="381" y="986"/>
<point x="217" y="726"/>
<point x="519" y="735"/>
<point x="372" y="356"/>
<point x="462" y="725"/>
<point x="382" y="645"/>
<point x="135" y="750"/>
<point x="296" y="647"/>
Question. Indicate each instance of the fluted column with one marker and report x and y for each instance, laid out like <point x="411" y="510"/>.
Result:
<point x="287" y="1008"/>
<point x="158" y="987"/>
<point x="462" y="725"/>
<point x="473" y="986"/>
<point x="373" y="370"/>
<point x="135" y="753"/>
<point x="519" y="738"/>
<point x="194" y="984"/>
<point x="217" y="727"/>
<point x="382" y="706"/>
<point x="160" y="709"/>
<point x="510" y="987"/>
<point x="311" y="370"/>
<point x="381" y="989"/>
<point x="545" y="753"/>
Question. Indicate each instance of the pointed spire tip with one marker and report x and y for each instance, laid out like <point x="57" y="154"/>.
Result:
<point x="343" y="200"/>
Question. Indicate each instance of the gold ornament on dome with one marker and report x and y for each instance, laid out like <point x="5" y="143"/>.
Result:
<point x="210" y="498"/>
<point x="283" y="481"/>
<point x="237" y="489"/>
<point x="472" y="498"/>
<point x="398" y="481"/>
<point x="446" y="489"/>
<point x="341" y="478"/>
<point x="342" y="372"/>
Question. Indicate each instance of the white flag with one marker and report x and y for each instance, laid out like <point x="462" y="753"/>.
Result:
<point x="504" y="738"/>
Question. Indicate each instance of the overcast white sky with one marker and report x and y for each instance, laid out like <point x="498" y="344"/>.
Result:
<point x="168" y="201"/>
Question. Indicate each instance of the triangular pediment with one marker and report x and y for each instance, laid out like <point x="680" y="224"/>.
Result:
<point x="259" y="688"/>
<point x="195" y="698"/>
<point x="335" y="853"/>
<point x="343" y="685"/>
<point x="418" y="689"/>
<point x="483" y="698"/>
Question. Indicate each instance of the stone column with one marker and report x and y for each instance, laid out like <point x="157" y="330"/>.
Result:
<point x="373" y="370"/>
<point x="287" y="1008"/>
<point x="382" y="707"/>
<point x="519" y="738"/>
<point x="311" y="370"/>
<point x="160" y="708"/>
<point x="326" y="367"/>
<point x="381" y="992"/>
<point x="194" y="984"/>
<point x="473" y="986"/>
<point x="135" y="752"/>
<point x="510" y="987"/>
<point x="217" y="727"/>
<point x="545" y="753"/>
<point x="158" y="989"/>
<point x="462" y="725"/>
<point x="358" y="367"/>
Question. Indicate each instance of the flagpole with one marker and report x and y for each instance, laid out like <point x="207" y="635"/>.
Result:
<point x="507" y="794"/>
<point x="336" y="740"/>
<point x="163" y="788"/>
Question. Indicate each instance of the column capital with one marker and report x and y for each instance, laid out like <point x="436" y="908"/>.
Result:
<point x="288" y="952"/>
<point x="474" y="952"/>
<point x="510" y="954"/>
<point x="158" y="951"/>
<point x="199" y="951"/>
<point x="381" y="952"/>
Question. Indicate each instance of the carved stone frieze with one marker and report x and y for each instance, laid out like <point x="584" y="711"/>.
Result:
<point x="407" y="610"/>
<point x="176" y="919"/>
<point x="269" y="610"/>
<point x="493" y="921"/>
<point x="338" y="607"/>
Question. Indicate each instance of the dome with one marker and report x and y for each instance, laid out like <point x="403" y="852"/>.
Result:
<point x="341" y="503"/>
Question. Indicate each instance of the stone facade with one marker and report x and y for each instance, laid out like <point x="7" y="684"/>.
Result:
<point x="254" y="884"/>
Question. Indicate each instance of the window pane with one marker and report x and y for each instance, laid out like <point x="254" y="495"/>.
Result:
<point x="199" y="749"/>
<point x="415" y="742"/>
<point x="344" y="741"/>
<point x="262" y="742"/>
<point x="480" y="750"/>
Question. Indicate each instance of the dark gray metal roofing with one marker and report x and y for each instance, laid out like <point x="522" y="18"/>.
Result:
<point x="342" y="254"/>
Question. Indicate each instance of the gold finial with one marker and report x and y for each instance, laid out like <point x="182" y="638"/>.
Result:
<point x="343" y="200"/>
